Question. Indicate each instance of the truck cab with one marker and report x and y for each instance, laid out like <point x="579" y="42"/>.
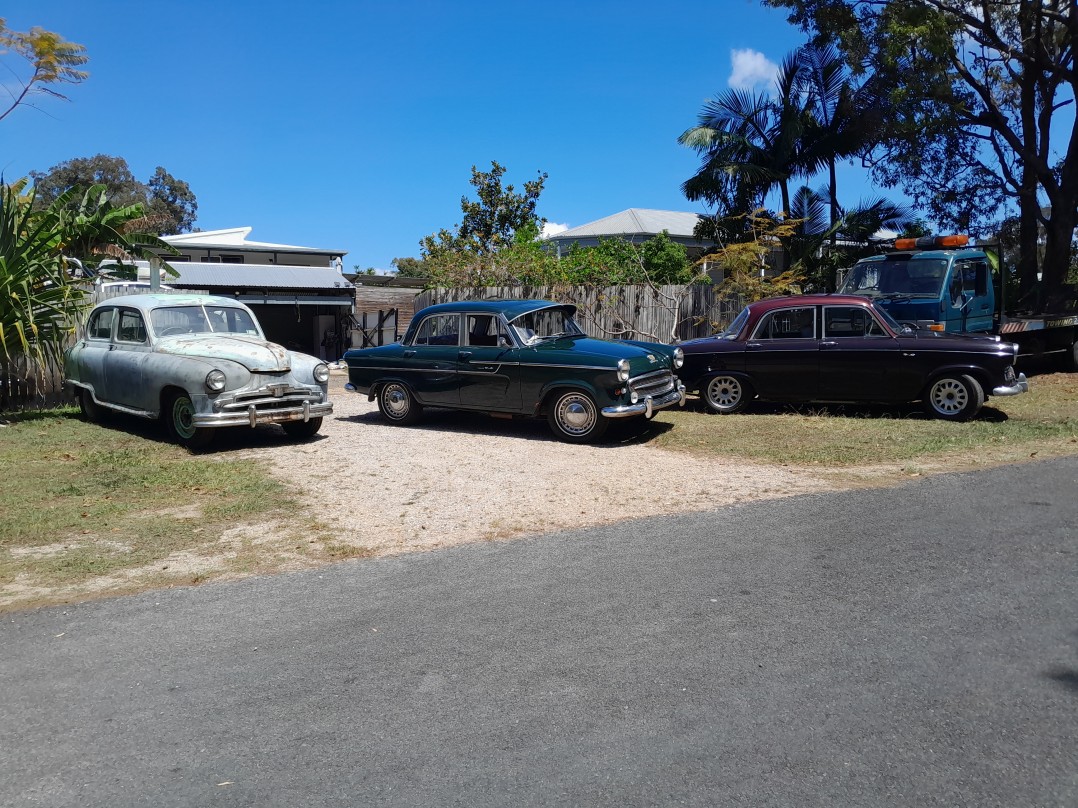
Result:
<point x="936" y="282"/>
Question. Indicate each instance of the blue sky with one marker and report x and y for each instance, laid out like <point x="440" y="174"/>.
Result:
<point x="354" y="125"/>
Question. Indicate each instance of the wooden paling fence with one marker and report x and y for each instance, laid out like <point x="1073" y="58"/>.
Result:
<point x="26" y="385"/>
<point x="659" y="313"/>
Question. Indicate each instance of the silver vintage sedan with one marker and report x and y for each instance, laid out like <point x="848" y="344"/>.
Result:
<point x="197" y="362"/>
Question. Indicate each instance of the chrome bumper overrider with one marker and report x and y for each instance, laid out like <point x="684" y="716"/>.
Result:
<point x="648" y="405"/>
<point x="1020" y="386"/>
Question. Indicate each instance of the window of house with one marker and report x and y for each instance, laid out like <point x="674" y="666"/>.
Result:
<point x="231" y="259"/>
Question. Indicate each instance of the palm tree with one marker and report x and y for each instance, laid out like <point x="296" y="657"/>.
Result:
<point x="843" y="117"/>
<point x="750" y="143"/>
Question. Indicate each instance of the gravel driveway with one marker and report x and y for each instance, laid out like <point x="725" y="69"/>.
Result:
<point x="459" y="477"/>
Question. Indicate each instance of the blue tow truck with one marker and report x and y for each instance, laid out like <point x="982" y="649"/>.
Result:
<point x="941" y="283"/>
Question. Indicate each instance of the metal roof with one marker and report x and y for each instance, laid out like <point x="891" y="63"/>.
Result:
<point x="635" y="221"/>
<point x="235" y="238"/>
<point x="254" y="276"/>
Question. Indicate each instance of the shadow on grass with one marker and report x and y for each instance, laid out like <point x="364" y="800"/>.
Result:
<point x="904" y="412"/>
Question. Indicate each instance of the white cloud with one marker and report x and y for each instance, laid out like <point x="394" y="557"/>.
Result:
<point x="751" y="70"/>
<point x="552" y="229"/>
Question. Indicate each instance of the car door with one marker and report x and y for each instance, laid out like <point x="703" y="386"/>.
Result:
<point x="487" y="365"/>
<point x="125" y="360"/>
<point x="857" y="356"/>
<point x="431" y="360"/>
<point x="95" y="347"/>
<point x="782" y="354"/>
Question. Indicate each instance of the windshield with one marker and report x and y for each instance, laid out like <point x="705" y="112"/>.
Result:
<point x="545" y="324"/>
<point x="910" y="278"/>
<point x="892" y="323"/>
<point x="731" y="331"/>
<point x="202" y="320"/>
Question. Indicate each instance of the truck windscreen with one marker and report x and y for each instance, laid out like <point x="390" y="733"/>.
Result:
<point x="907" y="278"/>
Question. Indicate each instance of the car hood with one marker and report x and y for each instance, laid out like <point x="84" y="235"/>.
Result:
<point x="257" y="355"/>
<point x="601" y="351"/>
<point x="923" y="337"/>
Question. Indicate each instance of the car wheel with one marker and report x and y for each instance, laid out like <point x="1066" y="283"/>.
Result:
<point x="302" y="429"/>
<point x="91" y="410"/>
<point x="179" y="415"/>
<point x="954" y="398"/>
<point x="575" y="417"/>
<point x="398" y="405"/>
<point x="725" y="394"/>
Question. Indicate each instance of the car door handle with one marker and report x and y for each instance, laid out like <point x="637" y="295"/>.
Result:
<point x="464" y="356"/>
<point x="828" y="344"/>
<point x="908" y="353"/>
<point x="409" y="353"/>
<point x="753" y="346"/>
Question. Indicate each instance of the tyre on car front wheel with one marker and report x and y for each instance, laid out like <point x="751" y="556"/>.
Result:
<point x="179" y="416"/>
<point x="955" y="397"/>
<point x="575" y="417"/>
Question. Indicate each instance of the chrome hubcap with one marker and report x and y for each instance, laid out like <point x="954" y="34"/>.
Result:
<point x="576" y="415"/>
<point x="396" y="401"/>
<point x="949" y="396"/>
<point x="724" y="392"/>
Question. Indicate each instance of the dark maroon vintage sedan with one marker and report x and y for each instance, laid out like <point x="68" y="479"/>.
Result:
<point x="842" y="348"/>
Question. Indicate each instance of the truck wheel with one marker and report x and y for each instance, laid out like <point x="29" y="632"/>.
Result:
<point x="954" y="398"/>
<point x="574" y="417"/>
<point x="1072" y="359"/>
<point x="179" y="413"/>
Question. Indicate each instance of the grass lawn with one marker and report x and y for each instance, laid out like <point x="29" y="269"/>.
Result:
<point x="89" y="510"/>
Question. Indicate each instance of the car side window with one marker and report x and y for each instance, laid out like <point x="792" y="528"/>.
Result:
<point x="796" y="323"/>
<point x="439" y="329"/>
<point x="482" y="330"/>
<point x="131" y="327"/>
<point x="850" y="321"/>
<point x="100" y="325"/>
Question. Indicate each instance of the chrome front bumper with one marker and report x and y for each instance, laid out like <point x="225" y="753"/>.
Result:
<point x="250" y="416"/>
<point x="648" y="405"/>
<point x="1020" y="386"/>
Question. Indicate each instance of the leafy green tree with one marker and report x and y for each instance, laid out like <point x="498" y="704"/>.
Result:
<point x="168" y="203"/>
<point x="410" y="268"/>
<point x="38" y="302"/>
<point x="979" y="93"/>
<point x="489" y="223"/>
<point x="49" y="59"/>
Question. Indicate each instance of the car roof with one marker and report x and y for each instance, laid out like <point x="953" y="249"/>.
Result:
<point x="761" y="306"/>
<point x="510" y="308"/>
<point x="153" y="301"/>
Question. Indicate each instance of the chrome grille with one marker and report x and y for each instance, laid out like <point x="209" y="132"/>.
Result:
<point x="653" y="384"/>
<point x="271" y="397"/>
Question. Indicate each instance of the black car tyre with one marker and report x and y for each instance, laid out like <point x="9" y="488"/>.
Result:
<point x="725" y="394"/>
<point x="179" y="413"/>
<point x="398" y="405"/>
<point x="302" y="429"/>
<point x="954" y="398"/>
<point x="574" y="417"/>
<point x="90" y="409"/>
<point x="1072" y="359"/>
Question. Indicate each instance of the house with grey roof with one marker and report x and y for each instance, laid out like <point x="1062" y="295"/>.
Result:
<point x="636" y="225"/>
<point x="299" y="294"/>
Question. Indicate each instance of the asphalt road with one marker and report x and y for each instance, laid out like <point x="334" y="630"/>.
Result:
<point x="909" y="646"/>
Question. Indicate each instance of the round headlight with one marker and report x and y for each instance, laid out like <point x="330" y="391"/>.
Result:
<point x="321" y="372"/>
<point x="679" y="357"/>
<point x="215" y="381"/>
<point x="623" y="370"/>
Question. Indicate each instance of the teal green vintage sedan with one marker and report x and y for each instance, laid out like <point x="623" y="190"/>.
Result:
<point x="517" y="357"/>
